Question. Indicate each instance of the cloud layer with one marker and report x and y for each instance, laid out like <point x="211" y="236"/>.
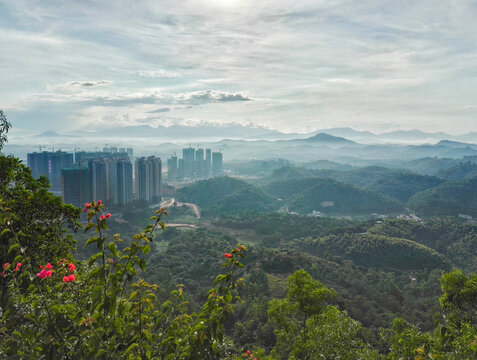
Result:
<point x="292" y="66"/>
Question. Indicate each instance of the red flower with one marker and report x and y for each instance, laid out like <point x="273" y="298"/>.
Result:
<point x="99" y="202"/>
<point x="71" y="267"/>
<point x="248" y="352"/>
<point x="102" y="217"/>
<point x="43" y="274"/>
<point x="48" y="266"/>
<point x="2" y="274"/>
<point x="5" y="266"/>
<point x="108" y="216"/>
<point x="49" y="273"/>
<point x="72" y="277"/>
<point x="66" y="279"/>
<point x="19" y="265"/>
<point x="84" y="210"/>
<point x="227" y="255"/>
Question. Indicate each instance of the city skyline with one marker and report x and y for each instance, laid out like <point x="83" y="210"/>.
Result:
<point x="289" y="66"/>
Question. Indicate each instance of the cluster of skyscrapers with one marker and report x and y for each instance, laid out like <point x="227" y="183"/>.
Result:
<point x="106" y="175"/>
<point x="195" y="164"/>
<point x="109" y="175"/>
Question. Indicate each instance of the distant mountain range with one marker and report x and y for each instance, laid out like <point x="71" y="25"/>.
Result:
<point x="234" y="131"/>
<point x="344" y="146"/>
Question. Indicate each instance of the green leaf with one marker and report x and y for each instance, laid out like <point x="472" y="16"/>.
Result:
<point x="112" y="247"/>
<point x="92" y="240"/>
<point x="5" y="231"/>
<point x="133" y="295"/>
<point x="88" y="226"/>
<point x="146" y="249"/>
<point x="93" y="258"/>
<point x="13" y="247"/>
<point x="118" y="326"/>
<point x="100" y="354"/>
<point x="228" y="297"/>
<point x="131" y="348"/>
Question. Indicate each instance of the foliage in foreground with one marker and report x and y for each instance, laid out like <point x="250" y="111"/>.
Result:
<point x="101" y="308"/>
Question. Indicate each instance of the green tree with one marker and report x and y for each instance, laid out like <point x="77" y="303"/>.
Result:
<point x="4" y="127"/>
<point x="460" y="295"/>
<point x="307" y="328"/>
<point x="455" y="334"/>
<point x="38" y="217"/>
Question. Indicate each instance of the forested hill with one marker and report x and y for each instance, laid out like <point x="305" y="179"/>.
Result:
<point x="226" y="195"/>
<point x="451" y="198"/>
<point x="403" y="185"/>
<point x="330" y="196"/>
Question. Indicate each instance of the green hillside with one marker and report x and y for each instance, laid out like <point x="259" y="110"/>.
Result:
<point x="375" y="250"/>
<point x="461" y="171"/>
<point x="226" y="195"/>
<point x="402" y="186"/>
<point x="359" y="177"/>
<point x="448" y="199"/>
<point x="332" y="197"/>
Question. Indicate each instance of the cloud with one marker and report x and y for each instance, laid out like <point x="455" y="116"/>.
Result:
<point x="211" y="96"/>
<point x="161" y="110"/>
<point x="315" y="62"/>
<point x="159" y="74"/>
<point x="89" y="83"/>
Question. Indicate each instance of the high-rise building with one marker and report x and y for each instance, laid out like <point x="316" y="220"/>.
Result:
<point x="148" y="179"/>
<point x="38" y="163"/>
<point x="111" y="180"/>
<point x="125" y="181"/>
<point x="172" y="168"/>
<point x="199" y="163"/>
<point x="75" y="185"/>
<point x="98" y="180"/>
<point x="188" y="155"/>
<point x="208" y="162"/>
<point x="49" y="164"/>
<point x="217" y="164"/>
<point x="180" y="169"/>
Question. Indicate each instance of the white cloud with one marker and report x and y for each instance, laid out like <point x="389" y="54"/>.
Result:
<point x="305" y="64"/>
<point x="159" y="74"/>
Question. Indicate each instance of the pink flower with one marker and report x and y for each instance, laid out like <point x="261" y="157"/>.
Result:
<point x="43" y="274"/>
<point x="48" y="266"/>
<point x="5" y="266"/>
<point x="72" y="277"/>
<point x="2" y="274"/>
<point x="227" y="255"/>
<point x="49" y="273"/>
<point x="71" y="267"/>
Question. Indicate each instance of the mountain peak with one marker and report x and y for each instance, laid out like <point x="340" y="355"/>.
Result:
<point x="327" y="138"/>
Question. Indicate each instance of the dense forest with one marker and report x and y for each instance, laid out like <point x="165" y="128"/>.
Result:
<point x="247" y="280"/>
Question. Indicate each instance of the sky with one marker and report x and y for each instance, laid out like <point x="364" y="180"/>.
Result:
<point x="292" y="66"/>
